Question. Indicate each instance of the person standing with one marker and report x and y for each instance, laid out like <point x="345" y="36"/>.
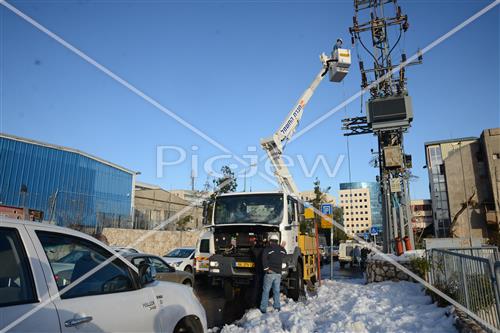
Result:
<point x="356" y="257"/>
<point x="272" y="260"/>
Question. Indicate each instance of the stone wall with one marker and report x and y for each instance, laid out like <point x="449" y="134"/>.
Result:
<point x="382" y="270"/>
<point x="159" y="242"/>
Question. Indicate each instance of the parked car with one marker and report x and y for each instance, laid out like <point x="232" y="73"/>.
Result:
<point x="324" y="252"/>
<point x="164" y="272"/>
<point x="181" y="258"/>
<point x="55" y="279"/>
<point x="125" y="249"/>
<point x="335" y="253"/>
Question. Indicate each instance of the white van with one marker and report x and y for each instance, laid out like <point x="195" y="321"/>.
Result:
<point x="205" y="248"/>
<point x="346" y="252"/>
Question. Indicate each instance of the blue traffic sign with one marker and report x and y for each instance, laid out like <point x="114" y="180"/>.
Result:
<point x="326" y="209"/>
<point x="366" y="236"/>
<point x="374" y="231"/>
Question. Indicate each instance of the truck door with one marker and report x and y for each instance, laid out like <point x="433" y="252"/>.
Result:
<point x="292" y="227"/>
<point x="105" y="300"/>
<point x="25" y="304"/>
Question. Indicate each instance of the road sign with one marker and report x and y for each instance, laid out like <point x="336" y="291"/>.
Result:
<point x="309" y="213"/>
<point x="374" y="231"/>
<point x="326" y="209"/>
<point x="366" y="236"/>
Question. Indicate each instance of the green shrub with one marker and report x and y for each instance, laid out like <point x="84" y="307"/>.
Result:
<point x="420" y="266"/>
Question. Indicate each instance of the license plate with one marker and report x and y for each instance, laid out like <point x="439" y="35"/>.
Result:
<point x="245" y="264"/>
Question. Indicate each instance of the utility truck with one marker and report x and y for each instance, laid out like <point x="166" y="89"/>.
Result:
<point x="242" y="223"/>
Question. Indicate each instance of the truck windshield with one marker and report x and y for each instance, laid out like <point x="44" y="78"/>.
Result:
<point x="255" y="208"/>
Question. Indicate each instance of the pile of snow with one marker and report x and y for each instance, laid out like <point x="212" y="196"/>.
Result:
<point x="351" y="306"/>
<point x="405" y="257"/>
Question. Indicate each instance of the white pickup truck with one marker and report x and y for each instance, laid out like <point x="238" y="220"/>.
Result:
<point x="55" y="279"/>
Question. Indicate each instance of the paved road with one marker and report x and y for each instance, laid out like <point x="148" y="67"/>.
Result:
<point x="219" y="312"/>
<point x="341" y="273"/>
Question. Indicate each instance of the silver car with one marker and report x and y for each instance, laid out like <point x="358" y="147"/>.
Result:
<point x="164" y="272"/>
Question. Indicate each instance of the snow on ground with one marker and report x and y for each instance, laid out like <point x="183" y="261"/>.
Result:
<point x="351" y="306"/>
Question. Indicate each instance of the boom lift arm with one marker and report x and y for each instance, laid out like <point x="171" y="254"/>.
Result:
<point x="338" y="65"/>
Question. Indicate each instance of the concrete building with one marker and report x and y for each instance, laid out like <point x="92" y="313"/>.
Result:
<point x="464" y="184"/>
<point x="63" y="185"/>
<point x="490" y="140"/>
<point x="467" y="182"/>
<point x="421" y="213"/>
<point x="436" y="152"/>
<point x="309" y="196"/>
<point x="362" y="206"/>
<point x="194" y="197"/>
<point x="154" y="205"/>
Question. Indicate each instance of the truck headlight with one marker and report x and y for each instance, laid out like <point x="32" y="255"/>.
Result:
<point x="215" y="270"/>
<point x="214" y="264"/>
<point x="283" y="265"/>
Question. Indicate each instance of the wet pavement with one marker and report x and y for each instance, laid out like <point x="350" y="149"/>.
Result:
<point x="221" y="312"/>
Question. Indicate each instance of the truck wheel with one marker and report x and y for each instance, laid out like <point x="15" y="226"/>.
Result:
<point x="297" y="284"/>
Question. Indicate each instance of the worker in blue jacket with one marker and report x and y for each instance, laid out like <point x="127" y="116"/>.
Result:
<point x="272" y="261"/>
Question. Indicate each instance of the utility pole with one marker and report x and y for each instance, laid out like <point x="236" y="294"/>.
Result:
<point x="388" y="110"/>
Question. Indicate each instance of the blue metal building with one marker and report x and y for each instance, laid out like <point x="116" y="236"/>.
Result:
<point x="375" y="199"/>
<point x="70" y="187"/>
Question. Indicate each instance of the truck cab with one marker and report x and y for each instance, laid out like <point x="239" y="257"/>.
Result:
<point x="242" y="224"/>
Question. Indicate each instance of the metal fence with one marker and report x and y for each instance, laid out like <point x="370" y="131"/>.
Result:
<point x="487" y="252"/>
<point x="470" y="280"/>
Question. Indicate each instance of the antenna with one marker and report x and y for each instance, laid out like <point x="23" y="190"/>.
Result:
<point x="193" y="177"/>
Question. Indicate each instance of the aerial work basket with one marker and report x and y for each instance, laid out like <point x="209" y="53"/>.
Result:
<point x="339" y="67"/>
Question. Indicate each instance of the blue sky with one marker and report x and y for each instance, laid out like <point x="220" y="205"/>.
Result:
<point x="233" y="70"/>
